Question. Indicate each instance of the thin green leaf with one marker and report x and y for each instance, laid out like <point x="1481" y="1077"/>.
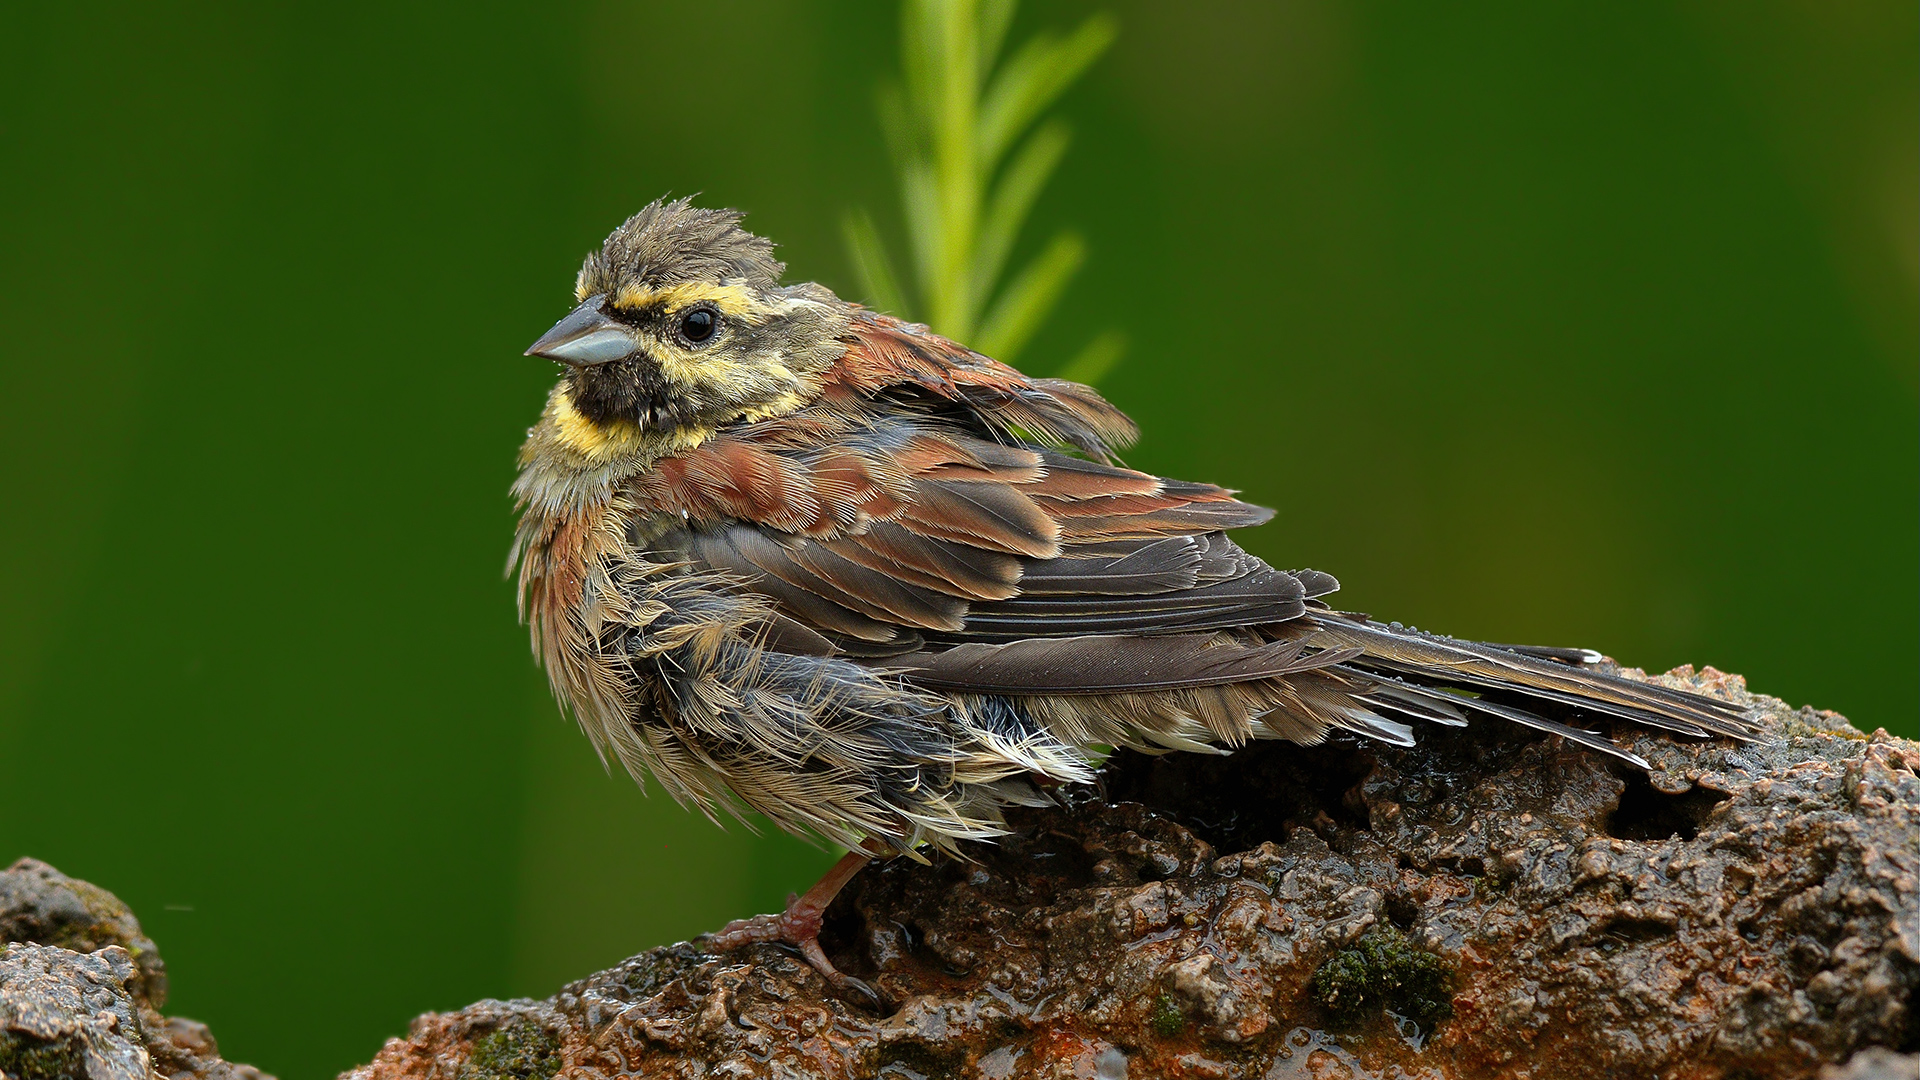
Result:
<point x="921" y="201"/>
<point x="871" y="266"/>
<point x="1013" y="197"/>
<point x="1033" y="77"/>
<point x="1022" y="79"/>
<point x="958" y="181"/>
<point x="995" y="17"/>
<point x="1093" y="363"/>
<point x="1029" y="297"/>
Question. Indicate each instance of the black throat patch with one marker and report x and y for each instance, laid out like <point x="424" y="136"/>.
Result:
<point x="632" y="390"/>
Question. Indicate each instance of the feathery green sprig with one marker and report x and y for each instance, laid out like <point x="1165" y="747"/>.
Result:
<point x="973" y="154"/>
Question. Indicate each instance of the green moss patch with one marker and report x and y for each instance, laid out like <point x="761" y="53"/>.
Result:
<point x="1167" y="1020"/>
<point x="516" y="1052"/>
<point x="24" y="1057"/>
<point x="1384" y="970"/>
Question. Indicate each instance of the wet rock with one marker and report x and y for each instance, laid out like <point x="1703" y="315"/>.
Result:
<point x="1487" y="903"/>
<point x="1875" y="1063"/>
<point x="81" y="988"/>
<point x="66" y="1014"/>
<point x="42" y="905"/>
<point x="1384" y="972"/>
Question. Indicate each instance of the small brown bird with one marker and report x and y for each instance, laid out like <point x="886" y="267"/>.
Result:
<point x="791" y="555"/>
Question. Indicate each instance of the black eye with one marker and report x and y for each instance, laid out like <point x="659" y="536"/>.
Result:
<point x="698" y="325"/>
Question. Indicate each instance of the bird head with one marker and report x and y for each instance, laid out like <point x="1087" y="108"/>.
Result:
<point x="682" y="325"/>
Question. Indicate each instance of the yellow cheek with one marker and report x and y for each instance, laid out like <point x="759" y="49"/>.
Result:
<point x="685" y="369"/>
<point x="596" y="442"/>
<point x="740" y="380"/>
<point x="715" y="370"/>
<point x="619" y="440"/>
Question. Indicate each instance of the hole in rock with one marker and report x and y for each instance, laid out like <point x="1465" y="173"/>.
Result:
<point x="1647" y="813"/>
<point x="1256" y="793"/>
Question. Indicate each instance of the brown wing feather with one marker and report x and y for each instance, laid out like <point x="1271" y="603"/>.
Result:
<point x="962" y="570"/>
<point x="1121" y="568"/>
<point x="884" y="353"/>
<point x="1258" y="598"/>
<point x="755" y="560"/>
<point x="1106" y="664"/>
<point x="998" y="517"/>
<point x="1071" y="479"/>
<point x="879" y="593"/>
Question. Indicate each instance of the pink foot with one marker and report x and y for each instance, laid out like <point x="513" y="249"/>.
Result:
<point x="799" y="925"/>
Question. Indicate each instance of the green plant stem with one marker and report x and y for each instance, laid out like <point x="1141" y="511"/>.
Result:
<point x="957" y="124"/>
<point x="956" y="171"/>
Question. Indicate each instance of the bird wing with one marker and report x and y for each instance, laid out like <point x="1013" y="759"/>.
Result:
<point x="1020" y="546"/>
<point x="916" y="507"/>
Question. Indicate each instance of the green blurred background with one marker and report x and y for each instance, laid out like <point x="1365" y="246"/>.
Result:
<point x="1565" y="323"/>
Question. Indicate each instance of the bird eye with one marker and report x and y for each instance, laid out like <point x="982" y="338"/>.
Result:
<point x="698" y="325"/>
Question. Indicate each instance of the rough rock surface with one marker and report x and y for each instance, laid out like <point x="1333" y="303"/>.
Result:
<point x="81" y="988"/>
<point x="1485" y="904"/>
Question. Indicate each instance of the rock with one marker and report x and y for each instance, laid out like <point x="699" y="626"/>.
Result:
<point x="64" y="1013"/>
<point x="42" y="905"/>
<point x="1486" y="903"/>
<point x="81" y="988"/>
<point x="1875" y="1063"/>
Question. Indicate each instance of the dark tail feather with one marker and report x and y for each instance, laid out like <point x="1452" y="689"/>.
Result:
<point x="1431" y="677"/>
<point x="1548" y="652"/>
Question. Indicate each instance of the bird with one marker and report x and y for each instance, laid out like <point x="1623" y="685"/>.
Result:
<point x="792" y="556"/>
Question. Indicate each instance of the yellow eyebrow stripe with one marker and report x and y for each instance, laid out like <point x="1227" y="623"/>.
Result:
<point x="730" y="299"/>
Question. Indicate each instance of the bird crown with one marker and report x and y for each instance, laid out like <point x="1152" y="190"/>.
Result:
<point x="677" y="243"/>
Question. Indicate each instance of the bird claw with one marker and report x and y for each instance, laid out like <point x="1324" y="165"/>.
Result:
<point x="834" y="976"/>
<point x="865" y="990"/>
<point x="799" y="926"/>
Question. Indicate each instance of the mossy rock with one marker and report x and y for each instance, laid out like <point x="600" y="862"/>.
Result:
<point x="515" y="1052"/>
<point x="1167" y="1020"/>
<point x="23" y="1057"/>
<point x="1384" y="970"/>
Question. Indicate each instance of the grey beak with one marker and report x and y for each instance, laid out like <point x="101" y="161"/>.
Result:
<point x="586" y="337"/>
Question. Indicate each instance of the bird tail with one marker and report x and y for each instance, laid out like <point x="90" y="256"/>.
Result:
<point x="1427" y="677"/>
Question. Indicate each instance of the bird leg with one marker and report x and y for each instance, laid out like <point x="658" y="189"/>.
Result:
<point x="799" y="925"/>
